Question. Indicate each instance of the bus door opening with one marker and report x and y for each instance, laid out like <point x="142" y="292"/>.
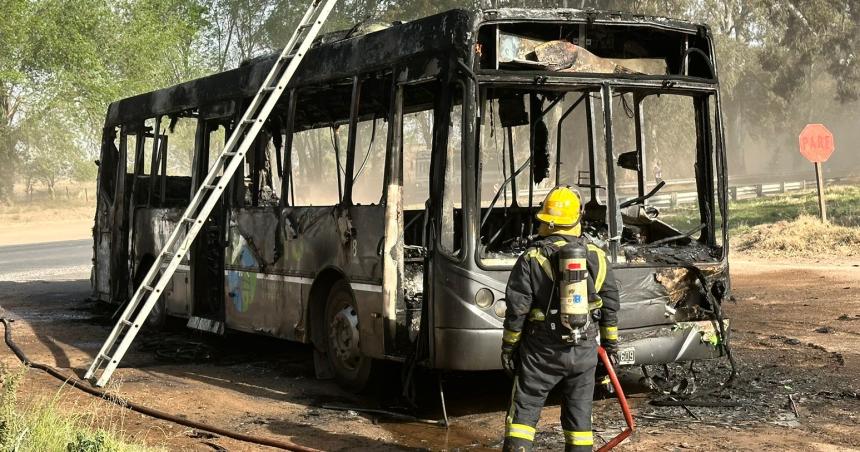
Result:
<point x="417" y="142"/>
<point x="207" y="253"/>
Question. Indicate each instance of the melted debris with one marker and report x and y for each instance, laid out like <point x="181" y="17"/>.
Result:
<point x="773" y="392"/>
<point x="671" y="254"/>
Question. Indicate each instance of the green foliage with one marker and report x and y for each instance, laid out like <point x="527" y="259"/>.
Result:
<point x="781" y="63"/>
<point x="88" y="443"/>
<point x="10" y="423"/>
<point x="63" y="61"/>
<point x="41" y="426"/>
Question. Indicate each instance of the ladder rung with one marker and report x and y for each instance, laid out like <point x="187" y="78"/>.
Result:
<point x="126" y="322"/>
<point x="147" y="288"/>
<point x="269" y="89"/>
<point x="251" y="121"/>
<point x="188" y="220"/>
<point x="210" y="187"/>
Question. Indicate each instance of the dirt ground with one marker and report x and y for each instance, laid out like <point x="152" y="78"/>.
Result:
<point x="796" y="337"/>
<point x="26" y="226"/>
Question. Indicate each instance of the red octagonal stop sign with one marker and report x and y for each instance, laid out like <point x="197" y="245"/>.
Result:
<point x="816" y="143"/>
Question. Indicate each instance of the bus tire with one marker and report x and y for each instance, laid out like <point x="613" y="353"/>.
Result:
<point x="351" y="367"/>
<point x="157" y="318"/>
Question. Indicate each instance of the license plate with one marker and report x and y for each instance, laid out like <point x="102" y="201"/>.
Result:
<point x="627" y="356"/>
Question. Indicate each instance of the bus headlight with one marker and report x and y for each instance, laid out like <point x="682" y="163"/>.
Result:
<point x="500" y="308"/>
<point x="484" y="298"/>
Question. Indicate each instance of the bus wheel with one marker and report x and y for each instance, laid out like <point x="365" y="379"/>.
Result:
<point x="351" y="367"/>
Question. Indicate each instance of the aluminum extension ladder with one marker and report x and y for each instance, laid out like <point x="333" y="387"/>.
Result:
<point x="210" y="191"/>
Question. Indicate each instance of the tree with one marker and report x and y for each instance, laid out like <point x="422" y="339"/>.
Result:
<point x="14" y="49"/>
<point x="83" y="54"/>
<point x="47" y="152"/>
<point x="236" y="30"/>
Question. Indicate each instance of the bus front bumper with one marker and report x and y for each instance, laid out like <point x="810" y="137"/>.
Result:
<point x="480" y="349"/>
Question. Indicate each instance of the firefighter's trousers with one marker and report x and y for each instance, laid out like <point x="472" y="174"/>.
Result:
<point x="545" y="363"/>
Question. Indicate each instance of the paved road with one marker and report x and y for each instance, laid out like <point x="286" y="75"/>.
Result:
<point x="54" y="260"/>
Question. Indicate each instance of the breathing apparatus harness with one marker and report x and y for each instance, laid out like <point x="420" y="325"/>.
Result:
<point x="572" y="286"/>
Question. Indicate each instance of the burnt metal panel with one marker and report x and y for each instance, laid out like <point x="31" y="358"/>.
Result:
<point x="274" y="255"/>
<point x="153" y="227"/>
<point x="445" y="33"/>
<point x="503" y="15"/>
<point x="644" y="300"/>
<point x="462" y="349"/>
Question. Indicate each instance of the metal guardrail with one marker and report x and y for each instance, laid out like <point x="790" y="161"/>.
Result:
<point x="740" y="188"/>
<point x="738" y="192"/>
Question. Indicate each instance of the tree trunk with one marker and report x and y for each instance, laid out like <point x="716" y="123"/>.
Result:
<point x="7" y="165"/>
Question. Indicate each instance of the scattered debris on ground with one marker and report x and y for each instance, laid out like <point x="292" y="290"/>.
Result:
<point x="797" y="388"/>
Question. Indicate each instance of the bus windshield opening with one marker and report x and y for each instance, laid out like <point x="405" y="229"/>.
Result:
<point x="661" y="170"/>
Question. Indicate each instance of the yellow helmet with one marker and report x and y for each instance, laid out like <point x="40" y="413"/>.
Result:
<point x="562" y="207"/>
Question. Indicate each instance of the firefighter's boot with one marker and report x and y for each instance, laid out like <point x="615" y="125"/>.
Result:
<point x="517" y="445"/>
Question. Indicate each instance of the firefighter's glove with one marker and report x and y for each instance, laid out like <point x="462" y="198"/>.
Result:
<point x="508" y="359"/>
<point x="609" y="342"/>
<point x="611" y="346"/>
<point x="510" y="341"/>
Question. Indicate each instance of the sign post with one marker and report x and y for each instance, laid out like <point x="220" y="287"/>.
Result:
<point x="816" y="144"/>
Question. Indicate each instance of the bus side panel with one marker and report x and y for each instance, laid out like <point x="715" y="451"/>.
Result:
<point x="103" y="219"/>
<point x="364" y="267"/>
<point x="152" y="228"/>
<point x="101" y="266"/>
<point x="272" y="264"/>
<point x="259" y="297"/>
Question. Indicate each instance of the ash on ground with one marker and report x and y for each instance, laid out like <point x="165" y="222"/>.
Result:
<point x="767" y="390"/>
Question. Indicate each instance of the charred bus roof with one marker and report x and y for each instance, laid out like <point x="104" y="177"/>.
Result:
<point x="441" y="34"/>
<point x="423" y="44"/>
<point x="597" y="17"/>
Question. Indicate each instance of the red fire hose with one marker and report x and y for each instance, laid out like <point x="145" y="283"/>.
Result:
<point x="628" y="417"/>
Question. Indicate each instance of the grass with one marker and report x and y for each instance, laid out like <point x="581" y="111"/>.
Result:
<point x="787" y="225"/>
<point x="843" y="209"/>
<point x="805" y="236"/>
<point x="40" y="425"/>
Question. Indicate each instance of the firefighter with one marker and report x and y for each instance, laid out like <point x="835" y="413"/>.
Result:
<point x="541" y="347"/>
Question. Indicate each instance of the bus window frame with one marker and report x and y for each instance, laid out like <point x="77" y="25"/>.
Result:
<point x="604" y="92"/>
<point x="342" y="172"/>
<point x="707" y="149"/>
<point x="483" y="88"/>
<point x="446" y="108"/>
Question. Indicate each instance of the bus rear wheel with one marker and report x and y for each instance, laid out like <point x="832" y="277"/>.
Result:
<point x="351" y="367"/>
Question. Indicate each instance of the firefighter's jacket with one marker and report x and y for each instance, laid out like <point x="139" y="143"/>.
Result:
<point x="532" y="291"/>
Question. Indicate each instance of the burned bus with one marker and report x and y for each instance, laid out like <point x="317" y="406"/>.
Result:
<point x="380" y="211"/>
